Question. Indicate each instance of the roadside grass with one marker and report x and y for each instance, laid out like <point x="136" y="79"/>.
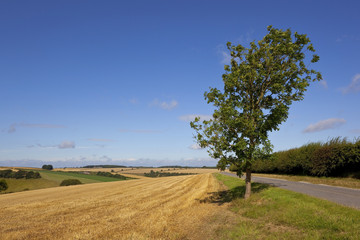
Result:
<point x="274" y="213"/>
<point x="333" y="181"/>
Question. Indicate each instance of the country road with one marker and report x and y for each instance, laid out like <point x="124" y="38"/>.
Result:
<point x="341" y="195"/>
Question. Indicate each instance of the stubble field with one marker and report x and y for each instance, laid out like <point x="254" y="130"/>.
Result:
<point x="160" y="208"/>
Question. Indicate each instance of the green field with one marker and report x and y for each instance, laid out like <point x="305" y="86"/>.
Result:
<point x="274" y="213"/>
<point x="52" y="179"/>
<point x="84" y="178"/>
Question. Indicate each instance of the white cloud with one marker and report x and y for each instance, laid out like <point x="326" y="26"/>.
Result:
<point x="191" y="117"/>
<point x="66" y="144"/>
<point x="330" y="123"/>
<point x="164" y="105"/>
<point x="324" y="84"/>
<point x="195" y="147"/>
<point x="354" y="86"/>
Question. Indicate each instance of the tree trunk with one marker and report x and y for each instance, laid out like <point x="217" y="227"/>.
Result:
<point x="248" y="183"/>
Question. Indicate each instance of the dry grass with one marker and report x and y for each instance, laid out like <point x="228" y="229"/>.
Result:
<point x="341" y="182"/>
<point x="160" y="208"/>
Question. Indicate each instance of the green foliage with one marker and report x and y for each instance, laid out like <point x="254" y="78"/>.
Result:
<point x="47" y="167"/>
<point x="337" y="157"/>
<point x="107" y="174"/>
<point x="104" y="166"/>
<point x="8" y="173"/>
<point x="3" y="185"/>
<point x="154" y="174"/>
<point x="32" y="174"/>
<point x="68" y="182"/>
<point x="260" y="84"/>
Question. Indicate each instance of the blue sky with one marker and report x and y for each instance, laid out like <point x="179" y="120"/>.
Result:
<point x="115" y="82"/>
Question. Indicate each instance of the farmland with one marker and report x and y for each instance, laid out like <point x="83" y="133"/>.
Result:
<point x="160" y="208"/>
<point x="52" y="179"/>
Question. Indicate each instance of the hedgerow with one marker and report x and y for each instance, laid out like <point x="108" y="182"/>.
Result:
<point x="8" y="173"/>
<point x="154" y="174"/>
<point x="68" y="182"/>
<point x="337" y="157"/>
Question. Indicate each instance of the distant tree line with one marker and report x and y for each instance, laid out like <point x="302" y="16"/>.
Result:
<point x="337" y="157"/>
<point x="8" y="173"/>
<point x="154" y="174"/>
<point x="47" y="167"/>
<point x="107" y="174"/>
<point x="104" y="166"/>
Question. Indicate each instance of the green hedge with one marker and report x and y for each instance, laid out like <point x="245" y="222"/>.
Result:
<point x="19" y="174"/>
<point x="154" y="174"/>
<point x="3" y="185"/>
<point x="337" y="157"/>
<point x="68" y="182"/>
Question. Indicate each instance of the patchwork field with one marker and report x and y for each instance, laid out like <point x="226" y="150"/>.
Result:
<point x="51" y="179"/>
<point x="141" y="171"/>
<point x="151" y="208"/>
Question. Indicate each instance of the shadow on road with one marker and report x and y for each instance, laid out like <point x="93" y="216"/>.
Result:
<point x="222" y="197"/>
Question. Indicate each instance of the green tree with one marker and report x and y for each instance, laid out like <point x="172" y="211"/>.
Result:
<point x="48" y="167"/>
<point x="260" y="84"/>
<point x="3" y="185"/>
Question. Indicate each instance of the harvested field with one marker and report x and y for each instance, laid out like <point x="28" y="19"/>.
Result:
<point x="160" y="208"/>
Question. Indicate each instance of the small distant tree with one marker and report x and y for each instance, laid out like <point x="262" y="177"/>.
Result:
<point x="3" y="185"/>
<point x="48" y="167"/>
<point x="260" y="84"/>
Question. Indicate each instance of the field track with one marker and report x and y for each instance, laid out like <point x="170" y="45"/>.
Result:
<point x="159" y="208"/>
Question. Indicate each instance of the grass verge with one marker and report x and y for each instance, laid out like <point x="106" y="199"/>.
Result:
<point x="333" y="181"/>
<point x="274" y="213"/>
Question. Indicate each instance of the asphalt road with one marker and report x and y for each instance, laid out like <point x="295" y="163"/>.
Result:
<point x="344" y="196"/>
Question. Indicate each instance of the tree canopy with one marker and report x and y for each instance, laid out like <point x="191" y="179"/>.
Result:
<point x="260" y="84"/>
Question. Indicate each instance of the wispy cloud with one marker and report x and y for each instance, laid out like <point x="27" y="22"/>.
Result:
<point x="356" y="131"/>
<point x="330" y="123"/>
<point x="323" y="83"/>
<point x="348" y="37"/>
<point x="354" y="86"/>
<point x="191" y="117"/>
<point x="195" y="146"/>
<point x="164" y="105"/>
<point x="223" y="53"/>
<point x="13" y="127"/>
<point x="134" y="101"/>
<point x="138" y="131"/>
<point x="38" y="145"/>
<point x="66" y="145"/>
<point x="100" y="140"/>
